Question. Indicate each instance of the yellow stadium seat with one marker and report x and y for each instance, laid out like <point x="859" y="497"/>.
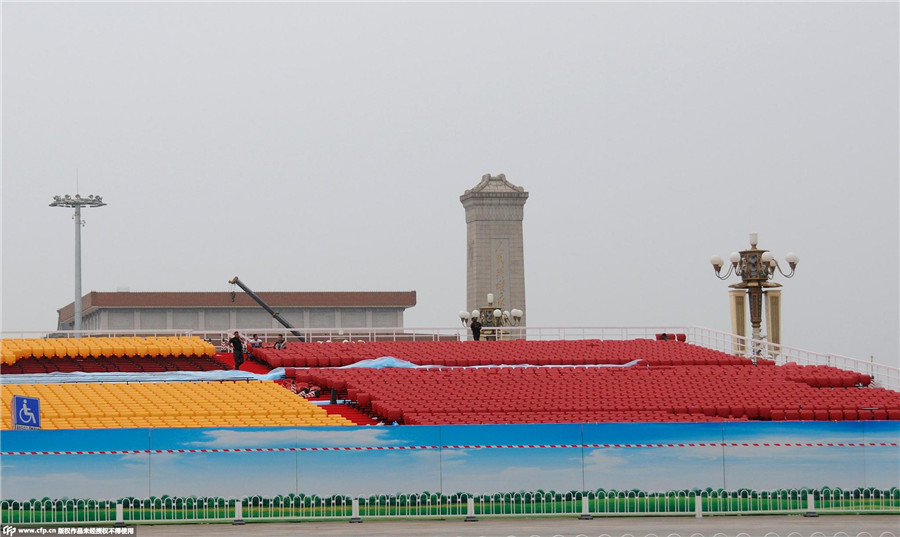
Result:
<point x="117" y="348"/>
<point x="82" y="348"/>
<point x="129" y="348"/>
<point x="105" y="347"/>
<point x="53" y="349"/>
<point x="42" y="347"/>
<point x="22" y="351"/>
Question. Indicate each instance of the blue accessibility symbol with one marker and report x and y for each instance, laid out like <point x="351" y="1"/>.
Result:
<point x="26" y="412"/>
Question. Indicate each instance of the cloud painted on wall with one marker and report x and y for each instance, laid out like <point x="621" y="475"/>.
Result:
<point x="231" y="438"/>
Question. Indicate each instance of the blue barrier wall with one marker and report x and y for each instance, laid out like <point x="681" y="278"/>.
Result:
<point x="478" y="459"/>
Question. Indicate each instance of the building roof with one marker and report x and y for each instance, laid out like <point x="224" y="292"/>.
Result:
<point x="282" y="299"/>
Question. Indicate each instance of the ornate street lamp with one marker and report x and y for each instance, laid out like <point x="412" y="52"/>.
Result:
<point x="756" y="267"/>
<point x="491" y="318"/>
<point x="77" y="203"/>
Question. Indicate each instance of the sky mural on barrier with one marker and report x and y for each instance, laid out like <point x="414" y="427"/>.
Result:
<point x="449" y="459"/>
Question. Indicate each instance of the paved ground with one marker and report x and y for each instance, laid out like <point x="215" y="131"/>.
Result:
<point x="724" y="526"/>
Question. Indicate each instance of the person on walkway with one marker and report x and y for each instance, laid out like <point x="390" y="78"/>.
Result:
<point x="476" y="329"/>
<point x="237" y="347"/>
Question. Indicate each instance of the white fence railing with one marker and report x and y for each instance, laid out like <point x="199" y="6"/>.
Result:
<point x="884" y="376"/>
<point x="597" y="503"/>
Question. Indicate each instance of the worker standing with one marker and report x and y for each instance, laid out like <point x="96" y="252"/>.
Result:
<point x="237" y="346"/>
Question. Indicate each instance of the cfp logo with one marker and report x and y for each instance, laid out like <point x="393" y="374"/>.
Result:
<point x="9" y="530"/>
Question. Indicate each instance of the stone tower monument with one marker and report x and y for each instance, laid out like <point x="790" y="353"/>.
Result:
<point x="495" y="258"/>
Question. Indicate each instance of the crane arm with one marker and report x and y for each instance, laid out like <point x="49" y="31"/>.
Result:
<point x="254" y="296"/>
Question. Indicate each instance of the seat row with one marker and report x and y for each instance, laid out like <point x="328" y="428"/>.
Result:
<point x="478" y="418"/>
<point x="636" y="380"/>
<point x="516" y="352"/>
<point x="134" y="364"/>
<point x="168" y="404"/>
<point x="13" y="350"/>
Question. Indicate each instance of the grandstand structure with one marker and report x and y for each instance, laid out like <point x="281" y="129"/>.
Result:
<point x="582" y="381"/>
<point x="119" y="405"/>
<point x="537" y="379"/>
<point x="169" y="417"/>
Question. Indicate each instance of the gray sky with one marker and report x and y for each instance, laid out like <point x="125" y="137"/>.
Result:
<point x="324" y="148"/>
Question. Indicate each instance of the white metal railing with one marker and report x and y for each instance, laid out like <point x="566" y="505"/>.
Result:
<point x="68" y="334"/>
<point x="458" y="334"/>
<point x="884" y="376"/>
<point x="169" y="509"/>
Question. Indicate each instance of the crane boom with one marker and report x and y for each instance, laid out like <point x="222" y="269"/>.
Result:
<point x="254" y="296"/>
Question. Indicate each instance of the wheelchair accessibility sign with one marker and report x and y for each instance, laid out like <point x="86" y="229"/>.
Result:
<point x="26" y="412"/>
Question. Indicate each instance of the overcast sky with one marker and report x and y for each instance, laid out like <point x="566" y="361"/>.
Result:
<point x="319" y="147"/>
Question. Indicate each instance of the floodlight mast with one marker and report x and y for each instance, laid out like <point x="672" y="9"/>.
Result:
<point x="77" y="202"/>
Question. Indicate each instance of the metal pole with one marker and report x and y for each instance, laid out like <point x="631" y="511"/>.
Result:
<point x="77" y="324"/>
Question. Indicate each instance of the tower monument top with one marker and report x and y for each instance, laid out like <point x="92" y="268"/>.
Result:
<point x="494" y="185"/>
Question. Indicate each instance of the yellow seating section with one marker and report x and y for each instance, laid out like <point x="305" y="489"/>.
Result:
<point x="168" y="404"/>
<point x="12" y="350"/>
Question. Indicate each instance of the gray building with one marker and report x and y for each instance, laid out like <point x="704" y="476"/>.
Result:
<point x="223" y="311"/>
<point x="495" y="255"/>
